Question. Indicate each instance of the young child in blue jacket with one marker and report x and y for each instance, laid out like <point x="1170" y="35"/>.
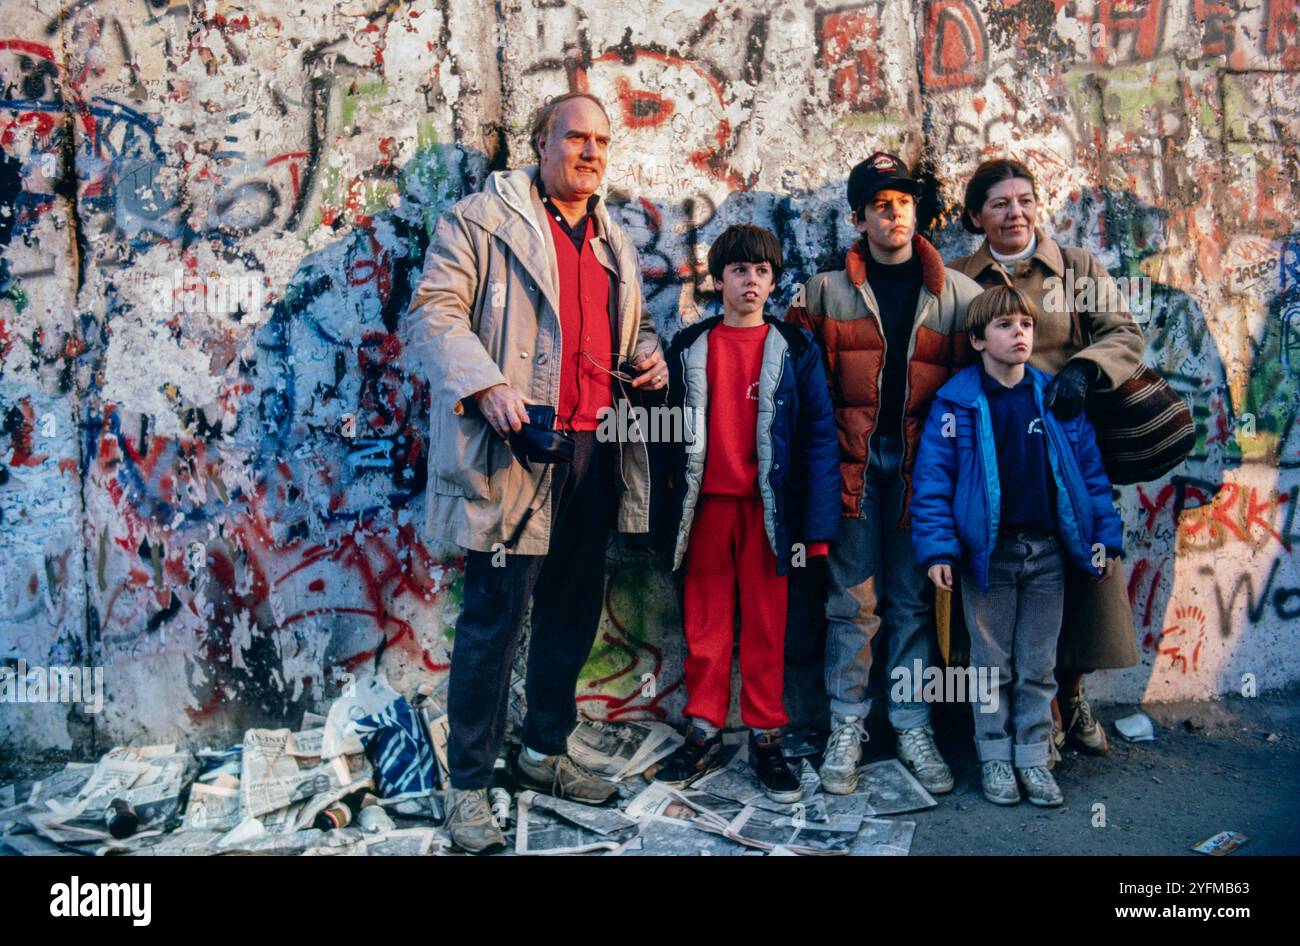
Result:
<point x="1012" y="495"/>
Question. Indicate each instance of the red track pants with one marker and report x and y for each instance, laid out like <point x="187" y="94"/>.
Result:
<point x="729" y="554"/>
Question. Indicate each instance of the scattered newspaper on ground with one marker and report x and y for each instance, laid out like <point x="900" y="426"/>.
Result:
<point x="746" y="824"/>
<point x="881" y="838"/>
<point x="305" y="744"/>
<point x="884" y="788"/>
<point x="213" y="806"/>
<point x="148" y="778"/>
<point x="272" y="779"/>
<point x="620" y="750"/>
<point x="541" y="831"/>
<point x="33" y="845"/>
<point x="701" y="810"/>
<point x="660" y="836"/>
<point x="738" y="781"/>
<point x="765" y="829"/>
<point x="405" y="842"/>
<point x="603" y="821"/>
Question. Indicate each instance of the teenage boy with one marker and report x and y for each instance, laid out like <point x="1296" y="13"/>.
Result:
<point x="890" y="326"/>
<point x="1011" y="492"/>
<point x="758" y="483"/>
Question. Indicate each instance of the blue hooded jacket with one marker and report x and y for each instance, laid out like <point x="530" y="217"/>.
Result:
<point x="957" y="496"/>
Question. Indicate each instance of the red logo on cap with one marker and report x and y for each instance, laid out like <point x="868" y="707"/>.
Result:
<point x="883" y="162"/>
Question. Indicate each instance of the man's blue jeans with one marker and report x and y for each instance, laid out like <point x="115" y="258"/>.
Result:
<point x="876" y="585"/>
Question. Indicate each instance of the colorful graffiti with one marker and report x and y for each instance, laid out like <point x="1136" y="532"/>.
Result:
<point x="212" y="456"/>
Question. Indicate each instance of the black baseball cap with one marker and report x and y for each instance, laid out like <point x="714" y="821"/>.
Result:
<point x="881" y="171"/>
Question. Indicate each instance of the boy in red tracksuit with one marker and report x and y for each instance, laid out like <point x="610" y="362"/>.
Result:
<point x="758" y="484"/>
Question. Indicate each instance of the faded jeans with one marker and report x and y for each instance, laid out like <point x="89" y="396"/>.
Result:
<point x="874" y="582"/>
<point x="1013" y="630"/>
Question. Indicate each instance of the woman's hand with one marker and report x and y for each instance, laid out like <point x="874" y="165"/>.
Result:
<point x="1066" y="392"/>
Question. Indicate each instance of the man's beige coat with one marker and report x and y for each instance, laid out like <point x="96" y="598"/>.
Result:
<point x="486" y="311"/>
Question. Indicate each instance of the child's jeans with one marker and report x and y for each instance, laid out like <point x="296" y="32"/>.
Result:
<point x="1013" y="631"/>
<point x="729" y="554"/>
<point x="877" y="586"/>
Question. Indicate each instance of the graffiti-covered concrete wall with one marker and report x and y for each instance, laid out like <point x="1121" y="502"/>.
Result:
<point x="212" y="460"/>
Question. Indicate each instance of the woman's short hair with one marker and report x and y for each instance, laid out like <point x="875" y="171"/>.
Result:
<point x="986" y="176"/>
<point x="992" y="304"/>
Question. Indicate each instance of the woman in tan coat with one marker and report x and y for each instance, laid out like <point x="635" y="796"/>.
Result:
<point x="1085" y="338"/>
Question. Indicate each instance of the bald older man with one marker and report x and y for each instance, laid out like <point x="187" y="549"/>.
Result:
<point x="530" y="294"/>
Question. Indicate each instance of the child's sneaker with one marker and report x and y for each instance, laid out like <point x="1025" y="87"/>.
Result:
<point x="774" y="775"/>
<point x="918" y="752"/>
<point x="999" y="783"/>
<point x="695" y="758"/>
<point x="1040" y="786"/>
<point x="839" y="770"/>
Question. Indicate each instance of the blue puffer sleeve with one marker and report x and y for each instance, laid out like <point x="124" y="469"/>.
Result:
<point x="934" y="482"/>
<point x="821" y="449"/>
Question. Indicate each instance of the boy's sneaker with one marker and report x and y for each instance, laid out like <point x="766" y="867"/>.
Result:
<point x="695" y="758"/>
<point x="839" y="770"/>
<point x="560" y="776"/>
<point x="999" y="783"/>
<point x="1083" y="731"/>
<point x="918" y="752"/>
<point x="774" y="775"/>
<point x="1040" y="787"/>
<point x="470" y="822"/>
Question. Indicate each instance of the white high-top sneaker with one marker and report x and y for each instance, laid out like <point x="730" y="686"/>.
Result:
<point x="918" y="752"/>
<point x="839" y="771"/>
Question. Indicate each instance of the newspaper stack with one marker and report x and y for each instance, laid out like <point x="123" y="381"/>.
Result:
<point x="285" y="783"/>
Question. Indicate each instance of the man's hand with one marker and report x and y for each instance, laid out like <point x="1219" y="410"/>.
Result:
<point x="1106" y="572"/>
<point x="504" y="408"/>
<point x="1066" y="392"/>
<point x="941" y="574"/>
<point x="654" y="373"/>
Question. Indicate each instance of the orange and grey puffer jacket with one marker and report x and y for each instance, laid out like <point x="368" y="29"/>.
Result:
<point x="840" y="310"/>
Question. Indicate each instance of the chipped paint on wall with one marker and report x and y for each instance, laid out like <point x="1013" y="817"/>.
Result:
<point x="212" y="454"/>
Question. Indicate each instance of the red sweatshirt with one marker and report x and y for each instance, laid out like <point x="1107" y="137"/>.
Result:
<point x="731" y="458"/>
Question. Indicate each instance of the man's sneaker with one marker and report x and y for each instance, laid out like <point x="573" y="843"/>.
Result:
<point x="695" y="758"/>
<point x="774" y="775"/>
<point x="918" y="752"/>
<point x="1039" y="785"/>
<point x="470" y="822"/>
<point x="560" y="776"/>
<point x="999" y="783"/>
<point x="839" y="771"/>
<point x="1083" y="731"/>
